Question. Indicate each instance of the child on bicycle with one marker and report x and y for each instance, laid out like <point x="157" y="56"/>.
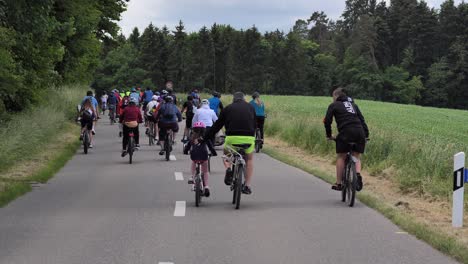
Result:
<point x="199" y="153"/>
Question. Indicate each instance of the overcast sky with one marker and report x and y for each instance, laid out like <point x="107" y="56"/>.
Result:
<point x="267" y="15"/>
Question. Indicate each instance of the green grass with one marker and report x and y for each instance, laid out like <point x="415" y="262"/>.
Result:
<point x="418" y="141"/>
<point x="29" y="133"/>
<point x="427" y="233"/>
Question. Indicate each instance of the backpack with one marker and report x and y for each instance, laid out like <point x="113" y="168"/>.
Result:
<point x="169" y="111"/>
<point x="190" y="108"/>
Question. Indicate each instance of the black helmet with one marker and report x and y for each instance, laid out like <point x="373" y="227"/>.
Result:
<point x="255" y="95"/>
<point x="189" y="98"/>
<point x="216" y="94"/>
<point x="168" y="99"/>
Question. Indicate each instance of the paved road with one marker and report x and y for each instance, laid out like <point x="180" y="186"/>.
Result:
<point x="99" y="209"/>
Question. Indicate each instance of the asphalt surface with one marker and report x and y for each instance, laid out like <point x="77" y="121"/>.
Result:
<point x="100" y="209"/>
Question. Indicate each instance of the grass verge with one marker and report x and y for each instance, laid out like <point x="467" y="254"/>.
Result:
<point x="37" y="142"/>
<point x="434" y="237"/>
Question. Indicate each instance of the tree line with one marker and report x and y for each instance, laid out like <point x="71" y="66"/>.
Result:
<point x="48" y="42"/>
<point x="403" y="51"/>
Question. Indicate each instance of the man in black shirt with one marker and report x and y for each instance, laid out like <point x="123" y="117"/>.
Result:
<point x="239" y="120"/>
<point x="352" y="128"/>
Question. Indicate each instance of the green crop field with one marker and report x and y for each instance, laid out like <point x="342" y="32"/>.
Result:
<point x="416" y="143"/>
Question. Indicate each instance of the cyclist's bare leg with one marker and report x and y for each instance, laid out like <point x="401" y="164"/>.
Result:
<point x="249" y="169"/>
<point x="340" y="166"/>
<point x="358" y="163"/>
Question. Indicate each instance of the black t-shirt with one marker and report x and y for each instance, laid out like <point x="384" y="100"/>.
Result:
<point x="189" y="105"/>
<point x="347" y="116"/>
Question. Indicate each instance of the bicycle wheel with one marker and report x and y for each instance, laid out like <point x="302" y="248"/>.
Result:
<point x="240" y="178"/>
<point x="131" y="145"/>
<point x="257" y="141"/>
<point x="150" y="137"/>
<point x="198" y="190"/>
<point x="352" y="182"/>
<point x="86" y="142"/>
<point x="209" y="163"/>
<point x="167" y="148"/>
<point x="234" y="185"/>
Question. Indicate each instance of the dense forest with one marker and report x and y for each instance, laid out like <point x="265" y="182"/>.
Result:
<point x="400" y="51"/>
<point x="403" y="51"/>
<point x="44" y="43"/>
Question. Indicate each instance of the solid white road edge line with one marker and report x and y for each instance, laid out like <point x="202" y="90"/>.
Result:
<point x="179" y="176"/>
<point x="179" y="208"/>
<point x="172" y="157"/>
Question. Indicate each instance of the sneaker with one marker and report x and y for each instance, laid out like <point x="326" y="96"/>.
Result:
<point x="207" y="191"/>
<point x="90" y="146"/>
<point x="190" y="180"/>
<point x="246" y="190"/>
<point x="137" y="145"/>
<point x="161" y="152"/>
<point x="228" y="177"/>
<point x="359" y="183"/>
<point x="94" y="132"/>
<point x="124" y="153"/>
<point x="147" y="131"/>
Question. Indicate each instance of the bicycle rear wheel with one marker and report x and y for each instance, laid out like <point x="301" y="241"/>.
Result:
<point x="198" y="190"/>
<point x="344" y="182"/>
<point x="234" y="185"/>
<point x="352" y="182"/>
<point x="131" y="145"/>
<point x="167" y="148"/>
<point x="86" y="142"/>
<point x="239" y="180"/>
<point x="257" y="141"/>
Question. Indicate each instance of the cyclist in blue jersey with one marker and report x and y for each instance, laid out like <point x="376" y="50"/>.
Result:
<point x="135" y="95"/>
<point x="259" y="106"/>
<point x="215" y="103"/>
<point x="147" y="97"/>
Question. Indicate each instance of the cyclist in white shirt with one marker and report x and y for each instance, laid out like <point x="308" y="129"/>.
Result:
<point x="151" y="112"/>
<point x="206" y="115"/>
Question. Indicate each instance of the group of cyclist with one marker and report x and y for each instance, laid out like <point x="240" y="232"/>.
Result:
<point x="206" y="117"/>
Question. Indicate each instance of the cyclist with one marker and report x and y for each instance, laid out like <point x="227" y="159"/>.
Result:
<point x="112" y="102"/>
<point x="95" y="104"/>
<point x="206" y="115"/>
<point x="170" y="92"/>
<point x="104" y="98"/>
<point x="130" y="118"/>
<point x="196" y="97"/>
<point x="135" y="95"/>
<point x="122" y="105"/>
<point x="239" y="120"/>
<point x="199" y="153"/>
<point x="352" y="128"/>
<point x="215" y="103"/>
<point x="259" y="106"/>
<point x="168" y="116"/>
<point x="151" y="113"/>
<point x="147" y="97"/>
<point x="189" y="109"/>
<point x="87" y="114"/>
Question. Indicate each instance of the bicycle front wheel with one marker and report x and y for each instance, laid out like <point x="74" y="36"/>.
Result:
<point x="239" y="180"/>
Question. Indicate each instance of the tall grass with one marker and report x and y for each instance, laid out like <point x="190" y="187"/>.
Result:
<point x="417" y="143"/>
<point x="28" y="132"/>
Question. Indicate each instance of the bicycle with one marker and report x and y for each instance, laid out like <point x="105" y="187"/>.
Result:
<point x="86" y="140"/>
<point x="349" y="179"/>
<point x="131" y="145"/>
<point x="199" y="185"/>
<point x="238" y="165"/>
<point x="168" y="141"/>
<point x="151" y="133"/>
<point x="112" y="115"/>
<point x="258" y="140"/>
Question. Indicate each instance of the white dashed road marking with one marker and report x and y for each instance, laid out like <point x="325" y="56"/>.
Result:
<point x="172" y="157"/>
<point x="179" y="208"/>
<point x="179" y="176"/>
<point x="166" y="262"/>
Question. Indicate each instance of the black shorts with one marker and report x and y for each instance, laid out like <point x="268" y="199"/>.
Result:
<point x="353" y="135"/>
<point x="151" y="118"/>
<point x="163" y="127"/>
<point x="188" y="121"/>
<point x="87" y="123"/>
